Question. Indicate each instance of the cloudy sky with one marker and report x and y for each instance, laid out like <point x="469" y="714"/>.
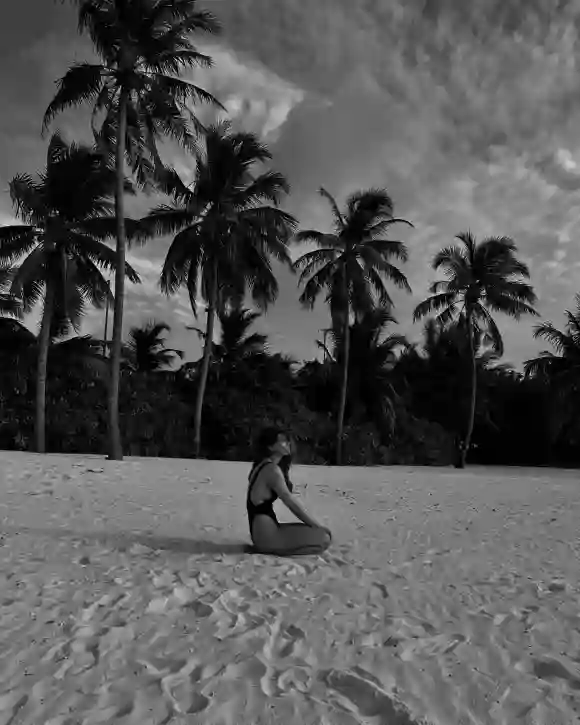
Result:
<point x="468" y="113"/>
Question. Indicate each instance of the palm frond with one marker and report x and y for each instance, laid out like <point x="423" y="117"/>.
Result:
<point x="337" y="214"/>
<point x="387" y="249"/>
<point x="433" y="304"/>
<point x="268" y="187"/>
<point x="369" y="205"/>
<point x="491" y="327"/>
<point x="453" y="261"/>
<point x="377" y="283"/>
<point x="468" y="241"/>
<point x="382" y="226"/>
<point x="81" y="83"/>
<point x="28" y="197"/>
<point x="165" y="219"/>
<point x="182" y="262"/>
<point x="320" y="238"/>
<point x="509" y="305"/>
<point x="16" y="241"/>
<point x="559" y="340"/>
<point x="319" y="280"/>
<point x="310" y="260"/>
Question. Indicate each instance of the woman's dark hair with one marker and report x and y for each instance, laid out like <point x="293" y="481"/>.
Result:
<point x="265" y="440"/>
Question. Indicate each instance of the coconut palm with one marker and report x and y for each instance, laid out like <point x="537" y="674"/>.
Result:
<point x="146" y="352"/>
<point x="482" y="278"/>
<point x="560" y="368"/>
<point x="143" y="45"/>
<point x="235" y="343"/>
<point x="61" y="242"/>
<point x="227" y="228"/>
<point x="351" y="265"/>
<point x="373" y="356"/>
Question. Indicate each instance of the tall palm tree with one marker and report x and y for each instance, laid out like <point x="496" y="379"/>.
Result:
<point x="61" y="242"/>
<point x="351" y="265"/>
<point x="146" y="351"/>
<point x="143" y="46"/>
<point x="227" y="227"/>
<point x="482" y="278"/>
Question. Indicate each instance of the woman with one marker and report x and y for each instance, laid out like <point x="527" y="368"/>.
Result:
<point x="269" y="479"/>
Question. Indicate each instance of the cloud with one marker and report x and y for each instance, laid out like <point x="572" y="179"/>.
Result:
<point x="468" y="113"/>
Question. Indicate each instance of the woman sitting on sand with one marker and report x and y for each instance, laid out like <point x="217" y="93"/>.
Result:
<point x="269" y="479"/>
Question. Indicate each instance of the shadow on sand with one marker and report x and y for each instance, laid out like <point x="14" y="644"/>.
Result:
<point x="123" y="541"/>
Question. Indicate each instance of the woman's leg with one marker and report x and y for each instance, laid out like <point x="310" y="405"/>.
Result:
<point x="290" y="539"/>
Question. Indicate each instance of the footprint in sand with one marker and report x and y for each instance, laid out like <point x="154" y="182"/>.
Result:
<point x="277" y="681"/>
<point x="381" y="588"/>
<point x="366" y="698"/>
<point x="284" y="642"/>
<point x="185" y="700"/>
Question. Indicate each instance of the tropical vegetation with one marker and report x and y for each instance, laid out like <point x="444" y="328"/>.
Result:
<point x="370" y="396"/>
<point x="351" y="265"/>
<point x="480" y="279"/>
<point x="137" y="93"/>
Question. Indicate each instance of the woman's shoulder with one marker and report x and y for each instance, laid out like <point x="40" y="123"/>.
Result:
<point x="265" y="466"/>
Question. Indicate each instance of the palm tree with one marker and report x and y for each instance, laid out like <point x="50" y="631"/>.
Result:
<point x="561" y="367"/>
<point x="235" y="343"/>
<point x="373" y="357"/>
<point x="143" y="46"/>
<point x="350" y="265"/>
<point x="482" y="278"/>
<point x="227" y="227"/>
<point x="146" y="352"/>
<point x="61" y="242"/>
<point x="560" y="370"/>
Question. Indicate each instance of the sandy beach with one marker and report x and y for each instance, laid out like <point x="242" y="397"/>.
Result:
<point x="126" y="596"/>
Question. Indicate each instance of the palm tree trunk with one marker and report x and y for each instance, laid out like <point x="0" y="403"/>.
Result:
<point x="115" y="445"/>
<point x="207" y="350"/>
<point x="473" y="396"/>
<point x="42" y="364"/>
<point x="106" y="333"/>
<point x="343" y="390"/>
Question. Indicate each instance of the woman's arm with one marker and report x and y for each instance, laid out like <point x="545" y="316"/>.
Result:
<point x="278" y="484"/>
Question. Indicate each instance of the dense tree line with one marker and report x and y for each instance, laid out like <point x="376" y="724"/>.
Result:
<point x="374" y="399"/>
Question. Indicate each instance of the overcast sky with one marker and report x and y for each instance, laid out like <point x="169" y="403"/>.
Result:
<point x="467" y="113"/>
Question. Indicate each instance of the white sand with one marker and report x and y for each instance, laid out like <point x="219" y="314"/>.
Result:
<point x="449" y="597"/>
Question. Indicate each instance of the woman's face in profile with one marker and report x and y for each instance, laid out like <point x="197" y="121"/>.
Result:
<point x="282" y="446"/>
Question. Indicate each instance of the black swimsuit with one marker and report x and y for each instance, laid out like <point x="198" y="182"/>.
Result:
<point x="266" y="507"/>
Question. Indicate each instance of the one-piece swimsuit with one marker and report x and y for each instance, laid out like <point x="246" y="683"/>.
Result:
<point x="265" y="508"/>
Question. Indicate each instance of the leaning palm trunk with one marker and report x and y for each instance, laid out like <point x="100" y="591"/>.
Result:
<point x="115" y="445"/>
<point x="343" y="391"/>
<point x="205" y="363"/>
<point x="42" y="364"/>
<point x="473" y="395"/>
